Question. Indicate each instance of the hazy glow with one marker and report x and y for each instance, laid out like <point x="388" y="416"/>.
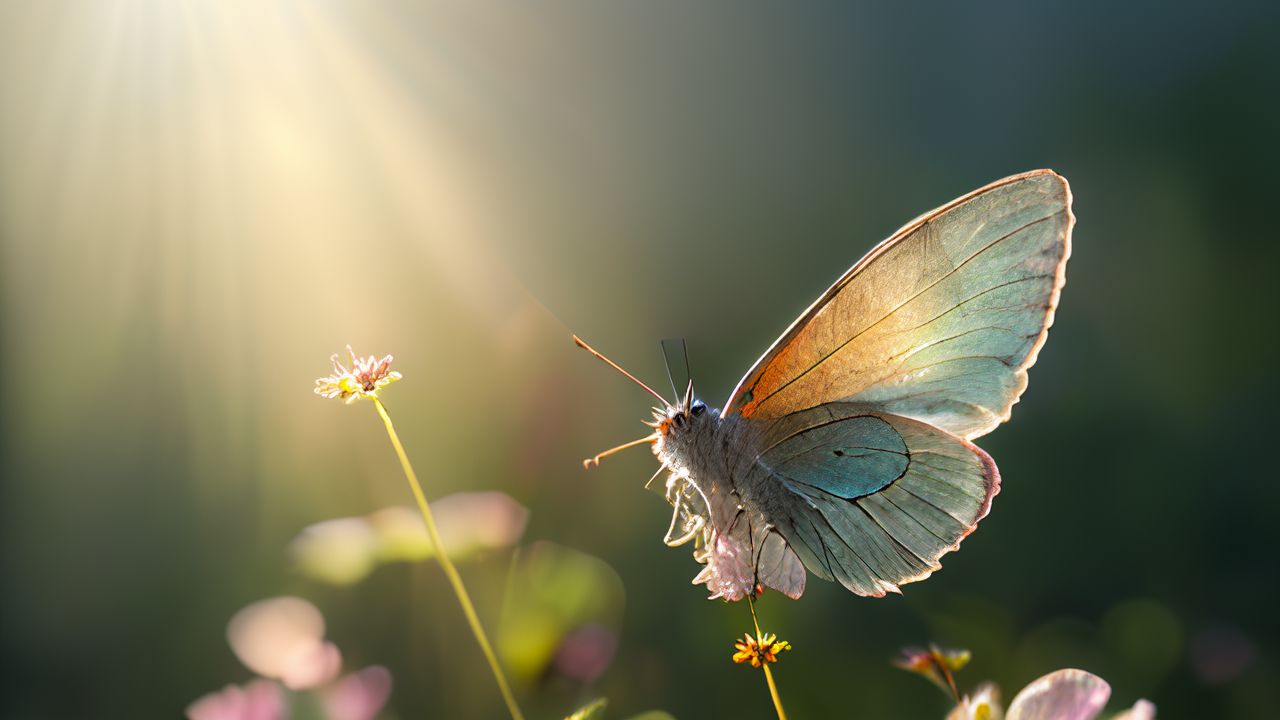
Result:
<point x="206" y="198"/>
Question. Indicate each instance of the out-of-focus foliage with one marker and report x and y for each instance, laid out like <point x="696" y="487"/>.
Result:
<point x="595" y="710"/>
<point x="562" y="613"/>
<point x="345" y="550"/>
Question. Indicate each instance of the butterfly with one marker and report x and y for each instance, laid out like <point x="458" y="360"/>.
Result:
<point x="846" y="450"/>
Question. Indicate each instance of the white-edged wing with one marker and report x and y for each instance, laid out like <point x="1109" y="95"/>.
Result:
<point x="938" y="323"/>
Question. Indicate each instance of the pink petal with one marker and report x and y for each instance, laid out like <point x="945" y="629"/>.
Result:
<point x="259" y="700"/>
<point x="270" y="635"/>
<point x="1061" y="695"/>
<point x="312" y="667"/>
<point x="1141" y="710"/>
<point x="360" y="695"/>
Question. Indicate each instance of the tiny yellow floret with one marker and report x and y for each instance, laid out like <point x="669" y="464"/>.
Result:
<point x="759" y="651"/>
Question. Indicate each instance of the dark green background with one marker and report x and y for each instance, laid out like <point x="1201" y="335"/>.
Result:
<point x="630" y="172"/>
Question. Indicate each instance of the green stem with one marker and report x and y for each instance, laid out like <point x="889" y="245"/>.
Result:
<point x="768" y="675"/>
<point x="449" y="570"/>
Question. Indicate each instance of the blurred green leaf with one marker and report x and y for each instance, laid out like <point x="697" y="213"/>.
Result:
<point x="556" y="594"/>
<point x="592" y="711"/>
<point x="595" y="711"/>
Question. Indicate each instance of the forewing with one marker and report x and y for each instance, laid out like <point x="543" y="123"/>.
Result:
<point x="867" y="498"/>
<point x="939" y="322"/>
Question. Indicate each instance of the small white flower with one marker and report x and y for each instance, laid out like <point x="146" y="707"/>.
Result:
<point x="365" y="378"/>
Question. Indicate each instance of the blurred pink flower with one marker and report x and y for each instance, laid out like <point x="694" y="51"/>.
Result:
<point x="358" y="696"/>
<point x="586" y="652"/>
<point x="1220" y="653"/>
<point x="258" y="700"/>
<point x="469" y="522"/>
<point x="283" y="638"/>
<point x="312" y="666"/>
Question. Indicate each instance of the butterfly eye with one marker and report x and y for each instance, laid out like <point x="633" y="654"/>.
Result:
<point x="698" y="408"/>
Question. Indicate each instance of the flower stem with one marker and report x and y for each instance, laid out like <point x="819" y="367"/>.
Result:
<point x="768" y="674"/>
<point x="449" y="570"/>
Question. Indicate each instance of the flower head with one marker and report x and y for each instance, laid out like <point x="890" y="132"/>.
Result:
<point x="365" y="378"/>
<point x="936" y="664"/>
<point x="984" y="704"/>
<point x="759" y="651"/>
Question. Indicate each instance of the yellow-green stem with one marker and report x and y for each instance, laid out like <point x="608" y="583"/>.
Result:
<point x="768" y="675"/>
<point x="449" y="570"/>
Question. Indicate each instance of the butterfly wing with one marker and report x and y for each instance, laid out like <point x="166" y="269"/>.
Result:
<point x="861" y="496"/>
<point x="939" y="322"/>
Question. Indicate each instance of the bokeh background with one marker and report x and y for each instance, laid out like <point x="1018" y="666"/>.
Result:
<point x="200" y="201"/>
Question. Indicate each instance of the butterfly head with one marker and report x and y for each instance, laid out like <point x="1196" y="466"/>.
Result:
<point x="683" y="433"/>
<point x="687" y="413"/>
<point x="675" y="424"/>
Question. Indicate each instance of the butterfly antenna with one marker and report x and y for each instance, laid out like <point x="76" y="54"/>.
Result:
<point x="666" y="361"/>
<point x="684" y="348"/>
<point x="593" y="461"/>
<point x="578" y="341"/>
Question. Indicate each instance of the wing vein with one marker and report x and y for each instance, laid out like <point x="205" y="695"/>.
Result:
<point x="923" y="290"/>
